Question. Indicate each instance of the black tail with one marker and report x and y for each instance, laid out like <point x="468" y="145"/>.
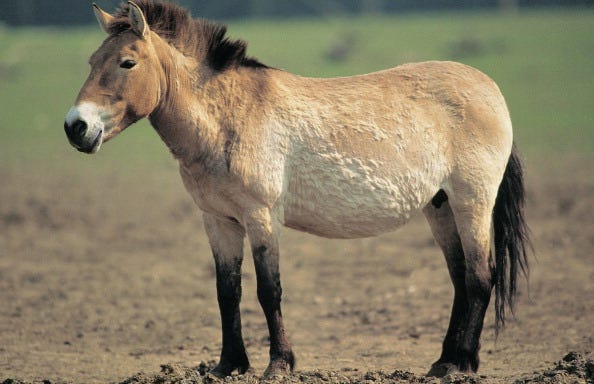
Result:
<point x="512" y="240"/>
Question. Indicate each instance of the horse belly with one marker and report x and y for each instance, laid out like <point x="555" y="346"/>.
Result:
<point x="350" y="198"/>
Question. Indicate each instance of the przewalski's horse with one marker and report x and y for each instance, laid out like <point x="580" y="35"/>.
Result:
<point x="348" y="157"/>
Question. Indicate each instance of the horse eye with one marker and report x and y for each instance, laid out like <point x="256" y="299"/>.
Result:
<point x="127" y="64"/>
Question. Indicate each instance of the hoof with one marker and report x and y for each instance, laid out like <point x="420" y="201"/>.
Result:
<point x="223" y="370"/>
<point x="278" y="369"/>
<point x="442" y="369"/>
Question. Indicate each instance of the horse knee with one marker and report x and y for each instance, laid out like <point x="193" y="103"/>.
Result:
<point x="269" y="293"/>
<point x="228" y="292"/>
<point x="269" y="288"/>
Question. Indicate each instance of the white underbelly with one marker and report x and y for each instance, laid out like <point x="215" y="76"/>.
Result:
<point x="340" y="197"/>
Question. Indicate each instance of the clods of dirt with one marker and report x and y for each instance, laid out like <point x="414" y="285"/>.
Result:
<point x="173" y="374"/>
<point x="574" y="368"/>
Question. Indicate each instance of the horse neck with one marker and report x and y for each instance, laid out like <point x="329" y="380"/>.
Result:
<point x="199" y="108"/>
<point x="180" y="119"/>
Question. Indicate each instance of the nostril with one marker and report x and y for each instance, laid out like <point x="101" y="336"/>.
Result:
<point x="77" y="129"/>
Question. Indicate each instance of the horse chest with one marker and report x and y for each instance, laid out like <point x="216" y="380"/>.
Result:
<point x="208" y="192"/>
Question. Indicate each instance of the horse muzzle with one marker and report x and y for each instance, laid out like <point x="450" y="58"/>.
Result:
<point x="84" y="128"/>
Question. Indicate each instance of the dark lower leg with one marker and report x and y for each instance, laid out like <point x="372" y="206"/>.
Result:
<point x="462" y="342"/>
<point x="454" y="333"/>
<point x="458" y="319"/>
<point x="233" y="354"/>
<point x="479" y="294"/>
<point x="282" y="359"/>
<point x="457" y="268"/>
<point x="446" y="235"/>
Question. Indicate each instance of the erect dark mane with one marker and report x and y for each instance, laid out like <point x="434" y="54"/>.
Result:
<point x="193" y="37"/>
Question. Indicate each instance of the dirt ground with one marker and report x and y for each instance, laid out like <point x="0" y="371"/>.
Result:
<point x="104" y="275"/>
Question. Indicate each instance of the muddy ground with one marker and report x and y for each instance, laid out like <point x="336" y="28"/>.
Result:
<point x="107" y="273"/>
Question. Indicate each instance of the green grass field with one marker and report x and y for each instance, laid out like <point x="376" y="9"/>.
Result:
<point x="542" y="61"/>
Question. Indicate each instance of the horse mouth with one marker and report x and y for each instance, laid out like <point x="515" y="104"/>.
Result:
<point x="111" y="133"/>
<point x="94" y="147"/>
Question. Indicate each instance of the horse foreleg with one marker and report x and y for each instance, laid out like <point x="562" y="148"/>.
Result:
<point x="226" y="240"/>
<point x="263" y="234"/>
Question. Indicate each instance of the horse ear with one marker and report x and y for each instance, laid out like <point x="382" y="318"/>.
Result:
<point x="103" y="17"/>
<point x="137" y="20"/>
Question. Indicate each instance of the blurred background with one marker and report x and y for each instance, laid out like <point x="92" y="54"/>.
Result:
<point x="68" y="12"/>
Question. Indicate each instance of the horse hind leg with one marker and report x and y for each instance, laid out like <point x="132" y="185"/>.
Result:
<point x="462" y="227"/>
<point x="472" y="207"/>
<point x="443" y="226"/>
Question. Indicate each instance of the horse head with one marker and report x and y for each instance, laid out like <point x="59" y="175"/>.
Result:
<point x="123" y="85"/>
